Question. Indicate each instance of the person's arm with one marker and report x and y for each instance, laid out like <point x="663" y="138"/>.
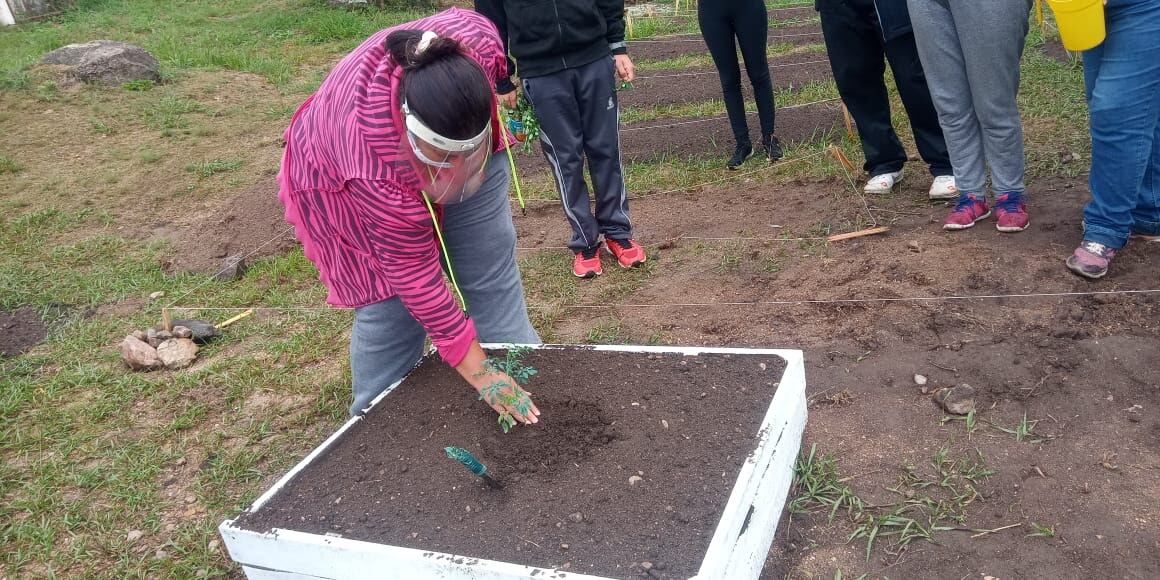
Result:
<point x="613" y="11"/>
<point x="399" y="230"/>
<point x="494" y="11"/>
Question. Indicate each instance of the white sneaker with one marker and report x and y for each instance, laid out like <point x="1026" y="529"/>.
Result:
<point x="880" y="184"/>
<point x="943" y="187"/>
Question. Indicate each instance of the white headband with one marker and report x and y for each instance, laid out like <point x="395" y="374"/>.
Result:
<point x="425" y="133"/>
<point x="425" y="41"/>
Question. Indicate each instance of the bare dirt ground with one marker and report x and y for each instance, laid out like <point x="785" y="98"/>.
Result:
<point x="699" y="84"/>
<point x="685" y="44"/>
<point x="1086" y="368"/>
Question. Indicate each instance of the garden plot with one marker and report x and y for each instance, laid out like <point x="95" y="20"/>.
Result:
<point x="699" y="84"/>
<point x="664" y="48"/>
<point x="684" y="138"/>
<point x="665" y="459"/>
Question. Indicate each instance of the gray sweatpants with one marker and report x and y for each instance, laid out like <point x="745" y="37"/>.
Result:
<point x="970" y="50"/>
<point x="387" y="341"/>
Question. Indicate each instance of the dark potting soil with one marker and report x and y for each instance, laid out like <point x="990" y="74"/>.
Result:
<point x="20" y="330"/>
<point x="682" y="424"/>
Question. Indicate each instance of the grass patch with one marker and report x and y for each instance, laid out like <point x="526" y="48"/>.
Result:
<point x="272" y="39"/>
<point x="207" y="169"/>
<point x="8" y="165"/>
<point x="929" y="502"/>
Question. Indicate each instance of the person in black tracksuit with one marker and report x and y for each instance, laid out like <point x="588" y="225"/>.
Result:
<point x="860" y="36"/>
<point x="746" y="20"/>
<point x="567" y="54"/>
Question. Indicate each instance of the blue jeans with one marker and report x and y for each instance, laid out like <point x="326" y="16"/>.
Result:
<point x="386" y="341"/>
<point x="1122" y="78"/>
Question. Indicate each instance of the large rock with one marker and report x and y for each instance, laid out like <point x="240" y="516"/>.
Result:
<point x="139" y="355"/>
<point x="177" y="353"/>
<point x="106" y="62"/>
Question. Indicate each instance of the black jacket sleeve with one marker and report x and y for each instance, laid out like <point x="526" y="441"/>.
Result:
<point x="494" y="11"/>
<point x="613" y="11"/>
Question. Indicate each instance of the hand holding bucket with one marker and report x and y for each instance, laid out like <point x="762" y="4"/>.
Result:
<point x="1081" y="23"/>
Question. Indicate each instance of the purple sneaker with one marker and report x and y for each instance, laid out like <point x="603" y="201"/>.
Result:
<point x="968" y="210"/>
<point x="1091" y="260"/>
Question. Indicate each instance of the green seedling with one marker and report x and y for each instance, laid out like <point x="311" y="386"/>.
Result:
<point x="473" y="465"/>
<point x="970" y="420"/>
<point x="895" y="524"/>
<point x="1041" y="531"/>
<point x="505" y="394"/>
<point x="1024" y="431"/>
<point x="523" y="123"/>
<point x="817" y="484"/>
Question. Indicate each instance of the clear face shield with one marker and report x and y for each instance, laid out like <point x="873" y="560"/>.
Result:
<point x="454" y="169"/>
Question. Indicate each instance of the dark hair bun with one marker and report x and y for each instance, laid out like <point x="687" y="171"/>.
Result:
<point x="403" y="46"/>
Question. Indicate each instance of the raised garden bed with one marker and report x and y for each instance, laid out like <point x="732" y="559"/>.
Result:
<point x="673" y="462"/>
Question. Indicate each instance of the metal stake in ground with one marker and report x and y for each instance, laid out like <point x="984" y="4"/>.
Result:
<point x="478" y="469"/>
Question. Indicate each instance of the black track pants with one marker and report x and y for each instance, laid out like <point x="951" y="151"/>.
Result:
<point x="747" y="21"/>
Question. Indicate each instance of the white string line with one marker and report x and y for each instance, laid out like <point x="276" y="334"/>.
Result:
<point x="915" y="299"/>
<point x="719" y="117"/>
<point x="695" y="238"/>
<point x="691" y="13"/>
<point x="216" y="274"/>
<point x="699" y="74"/>
<point x="606" y="306"/>
<point x="679" y="38"/>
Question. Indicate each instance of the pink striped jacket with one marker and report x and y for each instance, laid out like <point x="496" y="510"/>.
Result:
<point x="353" y="198"/>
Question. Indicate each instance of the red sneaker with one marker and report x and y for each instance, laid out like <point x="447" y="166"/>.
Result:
<point x="629" y="254"/>
<point x="1012" y="213"/>
<point x="586" y="264"/>
<point x="967" y="211"/>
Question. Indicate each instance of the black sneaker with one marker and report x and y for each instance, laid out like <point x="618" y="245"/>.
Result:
<point x="740" y="154"/>
<point x="772" y="148"/>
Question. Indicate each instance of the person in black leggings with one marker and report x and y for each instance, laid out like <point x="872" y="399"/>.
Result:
<point x="747" y="21"/>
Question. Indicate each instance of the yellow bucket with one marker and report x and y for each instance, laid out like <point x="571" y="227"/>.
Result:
<point x="1081" y="23"/>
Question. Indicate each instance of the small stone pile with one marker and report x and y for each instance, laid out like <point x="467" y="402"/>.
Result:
<point x="155" y="348"/>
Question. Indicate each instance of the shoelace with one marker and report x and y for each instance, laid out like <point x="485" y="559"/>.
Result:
<point x="621" y="244"/>
<point x="965" y="202"/>
<point x="1008" y="204"/>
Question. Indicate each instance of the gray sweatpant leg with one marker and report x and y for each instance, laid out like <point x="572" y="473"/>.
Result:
<point x="970" y="50"/>
<point x="387" y="341"/>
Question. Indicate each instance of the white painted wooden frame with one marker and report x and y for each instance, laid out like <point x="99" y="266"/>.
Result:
<point x="6" y="16"/>
<point x="737" y="550"/>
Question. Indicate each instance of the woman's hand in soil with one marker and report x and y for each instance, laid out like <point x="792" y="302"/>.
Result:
<point x="505" y="396"/>
<point x="624" y="68"/>
<point x="496" y="388"/>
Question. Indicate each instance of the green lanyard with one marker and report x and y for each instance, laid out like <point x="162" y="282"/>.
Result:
<point x="446" y="254"/>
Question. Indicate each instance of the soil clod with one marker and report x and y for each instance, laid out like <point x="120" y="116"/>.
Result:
<point x="958" y="400"/>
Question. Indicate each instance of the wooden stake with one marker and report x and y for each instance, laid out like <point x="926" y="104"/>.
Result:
<point x="236" y="318"/>
<point x="848" y="119"/>
<point x="166" y="320"/>
<point x="858" y="234"/>
<point x="841" y="157"/>
<point x="628" y="23"/>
